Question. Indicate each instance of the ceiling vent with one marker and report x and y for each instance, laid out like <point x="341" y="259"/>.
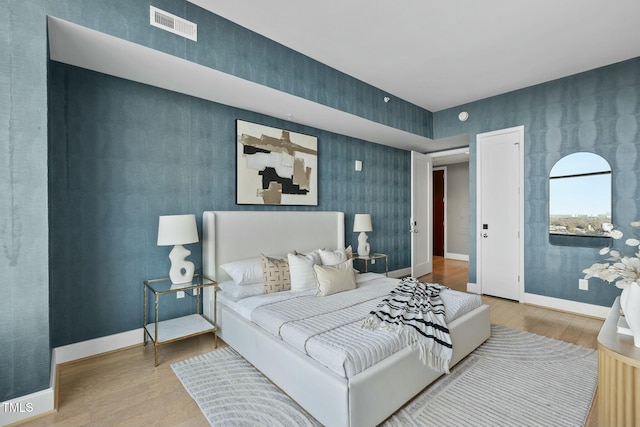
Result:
<point x="173" y="24"/>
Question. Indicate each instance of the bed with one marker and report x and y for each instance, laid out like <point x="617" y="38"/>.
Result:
<point x="365" y="397"/>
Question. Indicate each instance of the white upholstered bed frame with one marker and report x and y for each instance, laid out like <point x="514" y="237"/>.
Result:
<point x="365" y="399"/>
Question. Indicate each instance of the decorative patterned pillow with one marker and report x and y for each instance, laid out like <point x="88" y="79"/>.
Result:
<point x="349" y="251"/>
<point x="275" y="274"/>
<point x="301" y="270"/>
<point x="335" y="278"/>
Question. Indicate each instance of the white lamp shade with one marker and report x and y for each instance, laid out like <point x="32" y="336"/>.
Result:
<point x="177" y="230"/>
<point x="362" y="222"/>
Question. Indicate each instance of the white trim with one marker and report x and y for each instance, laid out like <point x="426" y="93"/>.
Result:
<point x="569" y="306"/>
<point x="44" y="401"/>
<point x="582" y="308"/>
<point x="474" y="288"/>
<point x="520" y="131"/>
<point x="445" y="203"/>
<point x="53" y="379"/>
<point x="25" y="407"/>
<point x="459" y="257"/>
<point x="462" y="150"/>
<point x="97" y="346"/>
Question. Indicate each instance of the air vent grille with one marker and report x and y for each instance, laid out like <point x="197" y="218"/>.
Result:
<point x="173" y="24"/>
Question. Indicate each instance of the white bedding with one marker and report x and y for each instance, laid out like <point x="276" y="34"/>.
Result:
<point x="328" y="328"/>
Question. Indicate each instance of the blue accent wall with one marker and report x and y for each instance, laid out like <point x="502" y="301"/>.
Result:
<point x="123" y="153"/>
<point x="596" y="111"/>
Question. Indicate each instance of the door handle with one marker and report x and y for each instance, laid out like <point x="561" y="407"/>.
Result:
<point x="485" y="235"/>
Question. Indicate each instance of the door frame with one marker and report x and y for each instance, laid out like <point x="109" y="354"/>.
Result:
<point x="519" y="130"/>
<point x="444" y="201"/>
<point x="446" y="153"/>
<point x="414" y="188"/>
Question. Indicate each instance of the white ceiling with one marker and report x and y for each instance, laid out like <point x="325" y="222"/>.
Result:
<point x="441" y="54"/>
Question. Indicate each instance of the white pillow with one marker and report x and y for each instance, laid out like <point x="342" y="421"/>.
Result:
<point x="335" y="278"/>
<point x="331" y="257"/>
<point x="301" y="270"/>
<point x="244" y="271"/>
<point x="237" y="292"/>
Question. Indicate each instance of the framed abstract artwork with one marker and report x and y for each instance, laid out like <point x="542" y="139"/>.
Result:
<point x="275" y="166"/>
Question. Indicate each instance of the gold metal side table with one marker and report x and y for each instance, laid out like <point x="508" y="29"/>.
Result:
<point x="171" y="330"/>
<point x="371" y="258"/>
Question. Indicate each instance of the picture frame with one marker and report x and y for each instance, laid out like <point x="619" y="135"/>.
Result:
<point x="275" y="166"/>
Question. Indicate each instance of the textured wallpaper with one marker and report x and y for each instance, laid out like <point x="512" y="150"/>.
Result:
<point x="596" y="111"/>
<point x="24" y="314"/>
<point x="123" y="153"/>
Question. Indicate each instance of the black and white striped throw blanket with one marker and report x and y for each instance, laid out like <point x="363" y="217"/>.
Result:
<point x="415" y="309"/>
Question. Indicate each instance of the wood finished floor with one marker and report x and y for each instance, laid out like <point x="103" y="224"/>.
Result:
<point x="124" y="389"/>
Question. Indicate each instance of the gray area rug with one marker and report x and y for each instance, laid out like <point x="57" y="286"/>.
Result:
<point x="514" y="379"/>
<point x="231" y="392"/>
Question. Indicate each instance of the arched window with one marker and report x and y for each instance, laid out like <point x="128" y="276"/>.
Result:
<point x="579" y="200"/>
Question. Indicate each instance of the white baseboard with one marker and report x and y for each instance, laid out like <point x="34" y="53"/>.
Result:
<point x="41" y="402"/>
<point x="24" y="407"/>
<point x="566" y="305"/>
<point x="80" y="350"/>
<point x="575" y="307"/>
<point x="459" y="257"/>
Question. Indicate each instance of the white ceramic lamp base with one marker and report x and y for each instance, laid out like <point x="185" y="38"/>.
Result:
<point x="363" y="245"/>
<point x="181" y="270"/>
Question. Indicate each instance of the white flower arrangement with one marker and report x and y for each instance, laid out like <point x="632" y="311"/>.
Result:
<point x="620" y="268"/>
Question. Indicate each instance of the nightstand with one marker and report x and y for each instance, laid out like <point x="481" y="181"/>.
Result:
<point x="171" y="330"/>
<point x="371" y="258"/>
<point x="618" y="373"/>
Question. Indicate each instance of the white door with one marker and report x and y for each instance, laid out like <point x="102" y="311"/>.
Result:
<point x="421" y="194"/>
<point x="500" y="203"/>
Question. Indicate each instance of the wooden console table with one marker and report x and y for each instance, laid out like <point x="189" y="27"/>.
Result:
<point x="618" y="375"/>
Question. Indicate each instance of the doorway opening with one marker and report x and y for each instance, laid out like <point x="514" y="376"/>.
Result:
<point x="450" y="204"/>
<point x="439" y="209"/>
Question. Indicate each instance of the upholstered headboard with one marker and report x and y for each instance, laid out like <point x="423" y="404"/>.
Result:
<point x="234" y="235"/>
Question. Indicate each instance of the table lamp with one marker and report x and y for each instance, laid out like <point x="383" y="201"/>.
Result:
<point x="362" y="223"/>
<point x="178" y="230"/>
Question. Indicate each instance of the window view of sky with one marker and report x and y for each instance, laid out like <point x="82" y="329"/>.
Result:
<point x="581" y="195"/>
<point x="586" y="195"/>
